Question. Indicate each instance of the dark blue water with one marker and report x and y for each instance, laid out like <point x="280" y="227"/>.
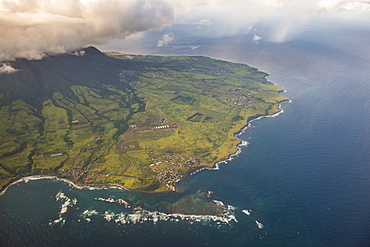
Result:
<point x="305" y="174"/>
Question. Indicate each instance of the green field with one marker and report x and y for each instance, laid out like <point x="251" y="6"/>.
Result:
<point x="177" y="114"/>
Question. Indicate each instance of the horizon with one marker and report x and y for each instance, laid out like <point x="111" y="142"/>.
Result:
<point x="179" y="132"/>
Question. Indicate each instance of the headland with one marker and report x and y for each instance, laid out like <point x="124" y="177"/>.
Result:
<point x="158" y="119"/>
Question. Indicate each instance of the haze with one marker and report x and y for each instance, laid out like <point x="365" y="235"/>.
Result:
<point x="32" y="29"/>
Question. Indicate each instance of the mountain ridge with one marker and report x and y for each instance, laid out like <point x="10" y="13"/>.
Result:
<point x="37" y="80"/>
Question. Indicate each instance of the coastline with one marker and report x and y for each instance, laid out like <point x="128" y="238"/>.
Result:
<point x="241" y="143"/>
<point x="190" y="173"/>
<point x="72" y="184"/>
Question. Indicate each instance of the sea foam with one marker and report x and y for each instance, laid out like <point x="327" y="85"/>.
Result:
<point x="70" y="183"/>
<point x="113" y="200"/>
<point x="247" y="212"/>
<point x="67" y="203"/>
<point x="259" y="224"/>
<point x="139" y="215"/>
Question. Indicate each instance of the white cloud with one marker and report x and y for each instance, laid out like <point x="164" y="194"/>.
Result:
<point x="166" y="40"/>
<point x="351" y="5"/>
<point x="192" y="6"/>
<point x="256" y="38"/>
<point x="33" y="29"/>
<point x="78" y="53"/>
<point x="282" y="18"/>
<point x="6" y="68"/>
<point x="204" y="22"/>
<point x="181" y="22"/>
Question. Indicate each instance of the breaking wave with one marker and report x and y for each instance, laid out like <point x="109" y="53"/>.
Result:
<point x="140" y="216"/>
<point x="67" y="203"/>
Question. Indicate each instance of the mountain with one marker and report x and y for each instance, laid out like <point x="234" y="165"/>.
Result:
<point x="138" y="121"/>
<point x="37" y="80"/>
<point x="58" y="105"/>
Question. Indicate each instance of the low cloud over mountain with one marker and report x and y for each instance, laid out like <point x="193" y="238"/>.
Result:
<point x="32" y="29"/>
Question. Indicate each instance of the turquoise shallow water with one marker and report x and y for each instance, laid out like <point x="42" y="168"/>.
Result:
<point x="305" y="174"/>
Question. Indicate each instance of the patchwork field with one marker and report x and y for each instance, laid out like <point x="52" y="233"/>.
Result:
<point x="179" y="114"/>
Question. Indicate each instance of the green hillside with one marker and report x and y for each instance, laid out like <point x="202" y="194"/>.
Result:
<point x="142" y="122"/>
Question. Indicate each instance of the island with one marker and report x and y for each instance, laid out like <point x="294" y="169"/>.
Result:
<point x="138" y="121"/>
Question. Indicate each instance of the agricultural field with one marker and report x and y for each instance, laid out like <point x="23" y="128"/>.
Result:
<point x="178" y="114"/>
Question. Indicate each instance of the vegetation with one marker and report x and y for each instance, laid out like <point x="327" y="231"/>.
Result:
<point x="138" y="121"/>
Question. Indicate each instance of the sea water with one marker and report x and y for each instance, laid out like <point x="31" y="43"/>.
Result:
<point x="301" y="179"/>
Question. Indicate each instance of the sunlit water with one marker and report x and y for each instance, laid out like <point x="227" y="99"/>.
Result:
<point x="302" y="180"/>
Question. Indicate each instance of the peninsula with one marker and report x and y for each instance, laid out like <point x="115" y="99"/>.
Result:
<point x="137" y="121"/>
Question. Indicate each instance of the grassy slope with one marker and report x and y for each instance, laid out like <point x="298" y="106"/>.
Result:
<point x="222" y="96"/>
<point x="90" y="125"/>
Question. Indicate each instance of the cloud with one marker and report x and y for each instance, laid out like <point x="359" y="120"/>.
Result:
<point x="351" y="5"/>
<point x="192" y="6"/>
<point x="281" y="18"/>
<point x="166" y="40"/>
<point x="32" y="29"/>
<point x="6" y="68"/>
<point x="78" y="53"/>
<point x="204" y="22"/>
<point x="256" y="38"/>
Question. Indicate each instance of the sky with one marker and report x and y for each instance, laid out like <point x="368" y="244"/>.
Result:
<point x="33" y="29"/>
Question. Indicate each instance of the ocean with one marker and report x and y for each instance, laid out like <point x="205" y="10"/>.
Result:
<point x="302" y="179"/>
